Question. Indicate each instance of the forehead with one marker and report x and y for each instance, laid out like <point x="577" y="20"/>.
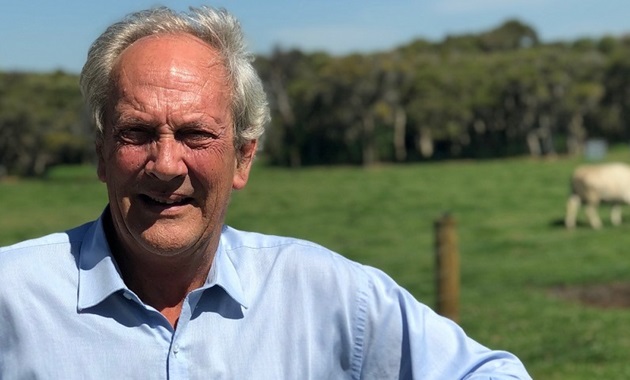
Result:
<point x="162" y="55"/>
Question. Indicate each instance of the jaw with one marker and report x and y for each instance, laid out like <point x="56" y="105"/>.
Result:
<point x="172" y="228"/>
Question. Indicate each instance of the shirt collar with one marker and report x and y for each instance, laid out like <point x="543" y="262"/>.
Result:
<point x="224" y="274"/>
<point x="98" y="273"/>
<point x="99" y="276"/>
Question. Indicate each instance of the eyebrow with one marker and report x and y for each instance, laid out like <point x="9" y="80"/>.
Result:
<point x="128" y="120"/>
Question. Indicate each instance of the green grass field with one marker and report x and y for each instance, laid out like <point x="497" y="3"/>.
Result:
<point x="513" y="247"/>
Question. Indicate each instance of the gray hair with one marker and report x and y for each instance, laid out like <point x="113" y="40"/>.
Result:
<point x="216" y="27"/>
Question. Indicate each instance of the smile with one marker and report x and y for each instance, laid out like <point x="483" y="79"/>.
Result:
<point x="166" y="201"/>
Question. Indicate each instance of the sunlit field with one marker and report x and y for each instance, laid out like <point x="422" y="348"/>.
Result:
<point x="514" y="248"/>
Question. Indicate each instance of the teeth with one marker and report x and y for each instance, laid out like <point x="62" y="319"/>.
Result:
<point x="165" y="201"/>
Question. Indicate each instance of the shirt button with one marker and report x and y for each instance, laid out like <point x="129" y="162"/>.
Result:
<point x="175" y="349"/>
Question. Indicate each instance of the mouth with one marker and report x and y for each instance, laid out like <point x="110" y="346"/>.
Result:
<point x="165" y="202"/>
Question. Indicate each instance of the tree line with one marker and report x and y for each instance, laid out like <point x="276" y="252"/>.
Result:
<point x="43" y="122"/>
<point x="497" y="93"/>
<point x="494" y="94"/>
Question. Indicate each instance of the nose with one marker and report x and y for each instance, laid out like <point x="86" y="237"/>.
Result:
<point x="166" y="160"/>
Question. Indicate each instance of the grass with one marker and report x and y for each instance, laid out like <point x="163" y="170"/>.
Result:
<point x="513" y="247"/>
<point x="68" y="197"/>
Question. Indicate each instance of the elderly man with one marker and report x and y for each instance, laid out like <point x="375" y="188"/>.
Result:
<point x="157" y="287"/>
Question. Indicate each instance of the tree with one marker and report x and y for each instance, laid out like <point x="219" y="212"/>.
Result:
<point x="41" y="122"/>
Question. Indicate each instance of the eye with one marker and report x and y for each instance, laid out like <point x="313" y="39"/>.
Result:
<point x="195" y="137"/>
<point x="135" y="135"/>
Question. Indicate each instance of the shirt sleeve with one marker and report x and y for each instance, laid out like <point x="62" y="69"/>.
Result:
<point x="400" y="335"/>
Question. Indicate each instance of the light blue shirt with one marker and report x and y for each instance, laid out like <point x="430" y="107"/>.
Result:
<point x="271" y="308"/>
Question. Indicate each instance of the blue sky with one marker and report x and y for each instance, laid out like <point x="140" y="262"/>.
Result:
<point x="44" y="35"/>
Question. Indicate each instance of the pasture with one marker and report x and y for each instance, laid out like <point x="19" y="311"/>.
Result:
<point x="515" y="251"/>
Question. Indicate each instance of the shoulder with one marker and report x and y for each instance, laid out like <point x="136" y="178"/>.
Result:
<point x="259" y="257"/>
<point x="257" y="246"/>
<point x="45" y="243"/>
<point x="295" y="261"/>
<point x="42" y="253"/>
<point x="234" y="239"/>
<point x="307" y="265"/>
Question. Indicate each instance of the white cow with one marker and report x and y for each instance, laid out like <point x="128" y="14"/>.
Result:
<point x="595" y="184"/>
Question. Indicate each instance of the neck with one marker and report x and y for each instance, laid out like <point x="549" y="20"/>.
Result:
<point x="163" y="285"/>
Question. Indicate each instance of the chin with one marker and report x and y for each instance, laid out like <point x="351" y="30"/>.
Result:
<point x="163" y="250"/>
<point x="167" y="243"/>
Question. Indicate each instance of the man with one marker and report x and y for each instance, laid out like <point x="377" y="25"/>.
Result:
<point x="159" y="288"/>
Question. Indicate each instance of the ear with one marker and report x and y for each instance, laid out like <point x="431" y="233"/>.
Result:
<point x="245" y="158"/>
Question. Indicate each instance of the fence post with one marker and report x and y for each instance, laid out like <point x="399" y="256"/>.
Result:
<point x="447" y="267"/>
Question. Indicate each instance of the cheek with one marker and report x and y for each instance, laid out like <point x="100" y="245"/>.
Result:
<point x="210" y="170"/>
<point x="217" y="158"/>
<point x="119" y="165"/>
<point x="129" y="159"/>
